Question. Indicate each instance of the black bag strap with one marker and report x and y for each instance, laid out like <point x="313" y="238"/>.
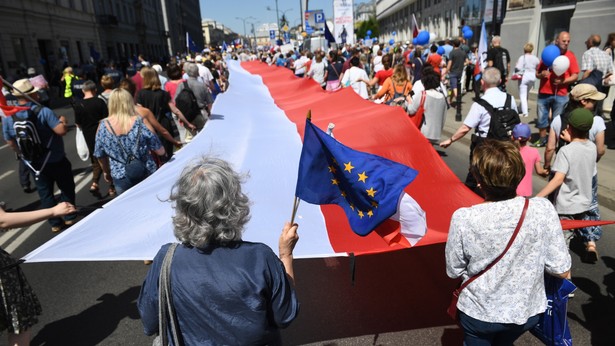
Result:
<point x="33" y="113"/>
<point x="136" y="147"/>
<point x="166" y="310"/>
<point x="510" y="242"/>
<point x="491" y="109"/>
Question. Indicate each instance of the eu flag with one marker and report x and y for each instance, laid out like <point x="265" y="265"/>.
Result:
<point x="366" y="186"/>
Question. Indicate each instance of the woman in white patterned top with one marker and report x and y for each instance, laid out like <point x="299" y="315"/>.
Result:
<point x="507" y="300"/>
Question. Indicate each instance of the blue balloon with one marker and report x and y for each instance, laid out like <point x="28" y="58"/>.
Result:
<point x="440" y="50"/>
<point x="367" y="37"/>
<point x="423" y="37"/>
<point x="465" y="27"/>
<point x="394" y="33"/>
<point x="391" y="42"/>
<point x="549" y="54"/>
<point x="369" y="32"/>
<point x="468" y="34"/>
<point x="415" y="41"/>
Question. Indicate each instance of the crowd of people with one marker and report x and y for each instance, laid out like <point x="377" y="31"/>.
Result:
<point x="132" y="124"/>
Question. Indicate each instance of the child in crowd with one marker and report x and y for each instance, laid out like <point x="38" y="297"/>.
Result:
<point x="574" y="168"/>
<point x="531" y="158"/>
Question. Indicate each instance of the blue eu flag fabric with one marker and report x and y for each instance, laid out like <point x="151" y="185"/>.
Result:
<point x="366" y="186"/>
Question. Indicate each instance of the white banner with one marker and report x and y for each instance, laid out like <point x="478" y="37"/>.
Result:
<point x="343" y="19"/>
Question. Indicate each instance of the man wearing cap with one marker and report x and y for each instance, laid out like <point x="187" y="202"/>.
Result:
<point x="573" y="170"/>
<point x="57" y="170"/>
<point x="553" y="90"/>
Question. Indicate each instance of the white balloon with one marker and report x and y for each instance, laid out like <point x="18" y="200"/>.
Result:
<point x="432" y="37"/>
<point x="560" y="65"/>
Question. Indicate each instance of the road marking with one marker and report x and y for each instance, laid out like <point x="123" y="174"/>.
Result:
<point x="11" y="240"/>
<point x="4" y="146"/>
<point x="9" y="172"/>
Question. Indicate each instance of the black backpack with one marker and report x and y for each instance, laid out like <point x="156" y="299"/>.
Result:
<point x="28" y="140"/>
<point x="503" y="119"/>
<point x="186" y="102"/>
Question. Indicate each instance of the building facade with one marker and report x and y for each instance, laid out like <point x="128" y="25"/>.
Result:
<point x="215" y="34"/>
<point x="51" y="34"/>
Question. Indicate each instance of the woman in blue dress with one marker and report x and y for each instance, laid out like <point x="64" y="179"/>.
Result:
<point x="122" y="134"/>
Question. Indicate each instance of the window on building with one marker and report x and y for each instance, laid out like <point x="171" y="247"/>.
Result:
<point x="20" y="50"/>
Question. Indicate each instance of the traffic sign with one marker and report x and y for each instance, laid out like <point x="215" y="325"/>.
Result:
<point x="272" y="34"/>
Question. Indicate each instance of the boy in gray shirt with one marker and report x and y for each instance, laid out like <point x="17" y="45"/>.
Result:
<point x="574" y="167"/>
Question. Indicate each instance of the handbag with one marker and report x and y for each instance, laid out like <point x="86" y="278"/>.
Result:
<point x="166" y="311"/>
<point x="82" y="147"/>
<point x="417" y="118"/>
<point x="552" y="328"/>
<point x="452" y="308"/>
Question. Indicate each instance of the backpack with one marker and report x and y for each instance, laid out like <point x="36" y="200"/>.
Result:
<point x="397" y="95"/>
<point x="186" y="102"/>
<point x="503" y="119"/>
<point x="29" y="141"/>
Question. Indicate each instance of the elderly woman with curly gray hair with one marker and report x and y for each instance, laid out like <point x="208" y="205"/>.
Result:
<point x="224" y="290"/>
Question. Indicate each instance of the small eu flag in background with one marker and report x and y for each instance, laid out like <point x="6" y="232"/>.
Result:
<point x="366" y="186"/>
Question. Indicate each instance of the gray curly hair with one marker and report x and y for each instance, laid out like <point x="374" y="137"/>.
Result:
<point x="209" y="205"/>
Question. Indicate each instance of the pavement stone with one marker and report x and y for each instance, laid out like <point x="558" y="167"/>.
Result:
<point x="606" y="165"/>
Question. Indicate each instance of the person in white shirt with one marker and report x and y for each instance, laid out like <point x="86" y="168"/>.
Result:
<point x="508" y="299"/>
<point x="478" y="117"/>
<point x="526" y="68"/>
<point x="354" y="76"/>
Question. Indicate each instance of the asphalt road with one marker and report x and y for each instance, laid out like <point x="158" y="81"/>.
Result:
<point x="388" y="299"/>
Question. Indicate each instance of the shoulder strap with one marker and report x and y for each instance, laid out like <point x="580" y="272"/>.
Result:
<point x="486" y="105"/>
<point x="166" y="310"/>
<point x="508" y="101"/>
<point x="510" y="242"/>
<point x="119" y="142"/>
<point x="186" y="85"/>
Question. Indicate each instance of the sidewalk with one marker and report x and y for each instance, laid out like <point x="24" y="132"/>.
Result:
<point x="606" y="165"/>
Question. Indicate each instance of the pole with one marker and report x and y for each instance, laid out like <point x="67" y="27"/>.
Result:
<point x="166" y="26"/>
<point x="494" y="17"/>
<point x="277" y="15"/>
<point x="254" y="33"/>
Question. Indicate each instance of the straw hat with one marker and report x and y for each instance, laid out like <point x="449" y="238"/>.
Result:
<point x="24" y="86"/>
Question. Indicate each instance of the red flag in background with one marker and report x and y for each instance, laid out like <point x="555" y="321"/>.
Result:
<point x="415" y="27"/>
<point x="4" y="108"/>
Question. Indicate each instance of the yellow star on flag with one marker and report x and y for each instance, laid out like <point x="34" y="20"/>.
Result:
<point x="343" y="194"/>
<point x="361" y="214"/>
<point x="334" y="181"/>
<point x="348" y="167"/>
<point x="374" y="204"/>
<point x="332" y="169"/>
<point x="370" y="213"/>
<point x="371" y="192"/>
<point x="352" y="206"/>
<point x="362" y="177"/>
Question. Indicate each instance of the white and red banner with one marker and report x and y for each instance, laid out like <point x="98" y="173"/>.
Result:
<point x="343" y="21"/>
<point x="258" y="125"/>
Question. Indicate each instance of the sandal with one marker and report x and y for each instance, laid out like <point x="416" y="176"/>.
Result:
<point x="112" y="192"/>
<point x="591" y="254"/>
<point x="94" y="187"/>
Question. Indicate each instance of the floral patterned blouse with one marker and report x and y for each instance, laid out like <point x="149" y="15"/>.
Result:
<point x="513" y="290"/>
<point x="107" y="146"/>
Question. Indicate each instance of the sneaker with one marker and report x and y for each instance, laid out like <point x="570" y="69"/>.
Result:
<point x="541" y="142"/>
<point x="570" y="295"/>
<point x="56" y="229"/>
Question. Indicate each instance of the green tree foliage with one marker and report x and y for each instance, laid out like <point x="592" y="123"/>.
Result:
<point x="364" y="26"/>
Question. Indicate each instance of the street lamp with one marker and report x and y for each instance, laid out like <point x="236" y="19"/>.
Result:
<point x="254" y="33"/>
<point x="277" y="13"/>
<point x="244" y="23"/>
